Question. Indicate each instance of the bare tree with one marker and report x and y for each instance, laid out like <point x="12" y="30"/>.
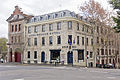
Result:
<point x="101" y="22"/>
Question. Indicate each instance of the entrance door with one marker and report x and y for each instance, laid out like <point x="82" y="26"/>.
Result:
<point x="17" y="57"/>
<point x="43" y="57"/>
<point x="10" y="57"/>
<point x="70" y="57"/>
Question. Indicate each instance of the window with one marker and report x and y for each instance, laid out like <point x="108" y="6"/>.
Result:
<point x="35" y="54"/>
<point x="70" y="25"/>
<point x="12" y="39"/>
<point x="102" y="51"/>
<point x="97" y="29"/>
<point x="78" y="40"/>
<point x="29" y="29"/>
<point x="55" y="55"/>
<point x="70" y="39"/>
<point x="82" y="40"/>
<point x="106" y="51"/>
<point x="102" y="42"/>
<point x="35" y="41"/>
<point x="15" y="28"/>
<point x="109" y="60"/>
<point x="91" y="31"/>
<point x="50" y="40"/>
<point x="58" y="39"/>
<point x="91" y="54"/>
<point x="43" y="41"/>
<point x="98" y="51"/>
<point x="87" y="41"/>
<point x="50" y="27"/>
<point x="77" y="26"/>
<point x="55" y="16"/>
<point x="63" y="14"/>
<point x="19" y="27"/>
<point x="47" y="17"/>
<point x="83" y="28"/>
<point x="80" y="54"/>
<point x="59" y="26"/>
<point x="35" y="29"/>
<point x="43" y="28"/>
<point x="12" y="28"/>
<point x="92" y="42"/>
<point x="28" y="56"/>
<point x="41" y="18"/>
<point x="87" y="29"/>
<point x="29" y="41"/>
<point x="109" y="51"/>
<point x="97" y="39"/>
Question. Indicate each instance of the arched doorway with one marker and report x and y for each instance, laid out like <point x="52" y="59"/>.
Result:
<point x="70" y="57"/>
<point x="17" y="55"/>
<point x="43" y="56"/>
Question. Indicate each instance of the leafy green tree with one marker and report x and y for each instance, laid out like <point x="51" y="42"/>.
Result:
<point x="116" y="6"/>
<point x="3" y="47"/>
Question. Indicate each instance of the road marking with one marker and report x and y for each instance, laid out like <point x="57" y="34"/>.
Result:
<point x="111" y="77"/>
<point x="7" y="66"/>
<point x="19" y="79"/>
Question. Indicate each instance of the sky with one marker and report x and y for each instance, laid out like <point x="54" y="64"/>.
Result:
<point x="38" y="7"/>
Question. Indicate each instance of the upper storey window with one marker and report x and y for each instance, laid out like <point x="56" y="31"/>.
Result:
<point x="29" y="29"/>
<point x="50" y="27"/>
<point x="41" y="18"/>
<point x="72" y="14"/>
<point x="55" y="16"/>
<point x="47" y="17"/>
<point x="15" y="28"/>
<point x="62" y="14"/>
<point x="35" y="29"/>
<point x="12" y="28"/>
<point x="59" y="26"/>
<point x="69" y="24"/>
<point x="35" y="19"/>
<point x="43" y="28"/>
<point x="19" y="27"/>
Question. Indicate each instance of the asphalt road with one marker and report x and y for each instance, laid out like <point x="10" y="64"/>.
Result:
<point x="30" y="72"/>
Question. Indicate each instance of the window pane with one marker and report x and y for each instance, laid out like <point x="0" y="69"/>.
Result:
<point x="35" y="54"/>
<point x="50" y="40"/>
<point x="35" y="41"/>
<point x="28" y="54"/>
<point x="58" y="39"/>
<point x="70" y="25"/>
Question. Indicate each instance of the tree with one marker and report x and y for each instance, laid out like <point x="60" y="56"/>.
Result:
<point x="3" y="47"/>
<point x="101" y="23"/>
<point x="116" y="5"/>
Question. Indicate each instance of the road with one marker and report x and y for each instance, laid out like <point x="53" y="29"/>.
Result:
<point x="31" y="72"/>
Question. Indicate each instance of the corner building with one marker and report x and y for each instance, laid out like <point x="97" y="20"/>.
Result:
<point x="60" y="36"/>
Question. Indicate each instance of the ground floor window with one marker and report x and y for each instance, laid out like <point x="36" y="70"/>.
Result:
<point x="80" y="54"/>
<point x="55" y="54"/>
<point x="28" y="54"/>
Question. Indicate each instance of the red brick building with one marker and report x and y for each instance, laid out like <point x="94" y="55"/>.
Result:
<point x="16" y="34"/>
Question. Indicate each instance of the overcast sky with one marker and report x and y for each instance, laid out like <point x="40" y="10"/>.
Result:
<point x="37" y="7"/>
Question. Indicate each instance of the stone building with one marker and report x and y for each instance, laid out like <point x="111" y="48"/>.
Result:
<point x="63" y="37"/>
<point x="16" y="34"/>
<point x="59" y="36"/>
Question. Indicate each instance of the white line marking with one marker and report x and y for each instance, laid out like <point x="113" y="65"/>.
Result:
<point x="18" y="79"/>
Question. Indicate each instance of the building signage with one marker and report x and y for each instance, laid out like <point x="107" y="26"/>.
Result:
<point x="43" y="34"/>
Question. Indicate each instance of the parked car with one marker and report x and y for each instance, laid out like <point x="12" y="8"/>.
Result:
<point x="109" y="65"/>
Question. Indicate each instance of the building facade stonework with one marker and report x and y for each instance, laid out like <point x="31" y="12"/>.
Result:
<point x="66" y="38"/>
